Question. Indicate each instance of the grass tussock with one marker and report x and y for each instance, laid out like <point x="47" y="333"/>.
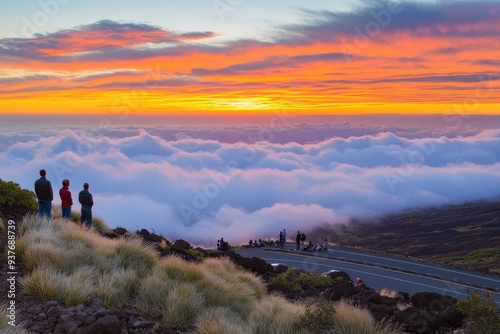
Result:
<point x="219" y="320"/>
<point x="274" y="315"/>
<point x="351" y="319"/>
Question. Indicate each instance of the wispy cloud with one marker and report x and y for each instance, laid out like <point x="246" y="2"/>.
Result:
<point x="379" y="57"/>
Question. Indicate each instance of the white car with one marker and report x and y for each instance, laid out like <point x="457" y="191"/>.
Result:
<point x="329" y="272"/>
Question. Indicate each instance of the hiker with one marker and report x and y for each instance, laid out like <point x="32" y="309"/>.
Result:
<point x="43" y="191"/>
<point x="284" y="239"/>
<point x="224" y="246"/>
<point x="86" y="200"/>
<point x="358" y="282"/>
<point x="66" y="199"/>
<point x="303" y="240"/>
<point x="281" y="239"/>
<point x="250" y="243"/>
<point x="297" y="240"/>
<point x="325" y="245"/>
<point x="310" y="247"/>
<point x="218" y="245"/>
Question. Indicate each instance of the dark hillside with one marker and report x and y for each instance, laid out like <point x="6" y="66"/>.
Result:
<point x="465" y="235"/>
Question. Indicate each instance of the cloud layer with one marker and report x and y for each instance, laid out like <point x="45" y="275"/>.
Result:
<point x="203" y="189"/>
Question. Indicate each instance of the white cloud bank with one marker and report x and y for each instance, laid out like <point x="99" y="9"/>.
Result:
<point x="201" y="190"/>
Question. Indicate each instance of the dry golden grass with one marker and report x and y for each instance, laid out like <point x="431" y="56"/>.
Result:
<point x="275" y="315"/>
<point x="350" y="319"/>
<point x="70" y="264"/>
<point x="221" y="320"/>
<point x="388" y="293"/>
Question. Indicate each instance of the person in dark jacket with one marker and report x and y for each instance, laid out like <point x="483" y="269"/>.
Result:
<point x="66" y="199"/>
<point x="297" y="240"/>
<point x="43" y="191"/>
<point x="85" y="199"/>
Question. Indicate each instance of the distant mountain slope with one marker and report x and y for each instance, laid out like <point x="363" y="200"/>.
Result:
<point x="466" y="235"/>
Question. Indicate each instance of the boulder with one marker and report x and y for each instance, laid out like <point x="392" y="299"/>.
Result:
<point x="339" y="276"/>
<point x="257" y="265"/>
<point x="418" y="321"/>
<point x="431" y="301"/>
<point x="452" y="316"/>
<point x="120" y="230"/>
<point x="339" y="290"/>
<point x="181" y="245"/>
<point x="108" y="324"/>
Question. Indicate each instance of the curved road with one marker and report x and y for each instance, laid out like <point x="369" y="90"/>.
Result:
<point x="378" y="271"/>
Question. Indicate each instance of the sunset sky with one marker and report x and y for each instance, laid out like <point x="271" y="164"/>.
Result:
<point x="249" y="56"/>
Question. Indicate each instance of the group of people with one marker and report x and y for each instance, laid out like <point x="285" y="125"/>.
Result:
<point x="300" y="242"/>
<point x="255" y="243"/>
<point x="222" y="245"/>
<point x="316" y="247"/>
<point x="45" y="196"/>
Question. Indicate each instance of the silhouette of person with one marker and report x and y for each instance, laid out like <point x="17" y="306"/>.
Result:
<point x="43" y="191"/>
<point x="86" y="200"/>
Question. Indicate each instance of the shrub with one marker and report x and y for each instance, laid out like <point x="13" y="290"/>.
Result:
<point x="482" y="313"/>
<point x="318" y="318"/>
<point x="288" y="279"/>
<point x="301" y="281"/>
<point x="310" y="280"/>
<point x="196" y="253"/>
<point x="11" y="194"/>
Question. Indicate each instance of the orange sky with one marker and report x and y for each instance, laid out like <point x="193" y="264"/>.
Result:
<point x="331" y="64"/>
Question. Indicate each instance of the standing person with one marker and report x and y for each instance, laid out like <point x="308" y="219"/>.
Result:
<point x="43" y="191"/>
<point x="302" y="239"/>
<point x="284" y="238"/>
<point x="297" y="240"/>
<point x="66" y="199"/>
<point x="85" y="199"/>
<point x="281" y="239"/>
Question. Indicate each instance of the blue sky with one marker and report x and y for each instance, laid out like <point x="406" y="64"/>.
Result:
<point x="235" y="17"/>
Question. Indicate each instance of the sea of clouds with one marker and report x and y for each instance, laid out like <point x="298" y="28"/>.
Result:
<point x="244" y="182"/>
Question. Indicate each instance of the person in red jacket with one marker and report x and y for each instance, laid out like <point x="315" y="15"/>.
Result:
<point x="66" y="200"/>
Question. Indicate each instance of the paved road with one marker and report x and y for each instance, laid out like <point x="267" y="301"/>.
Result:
<point x="404" y="278"/>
